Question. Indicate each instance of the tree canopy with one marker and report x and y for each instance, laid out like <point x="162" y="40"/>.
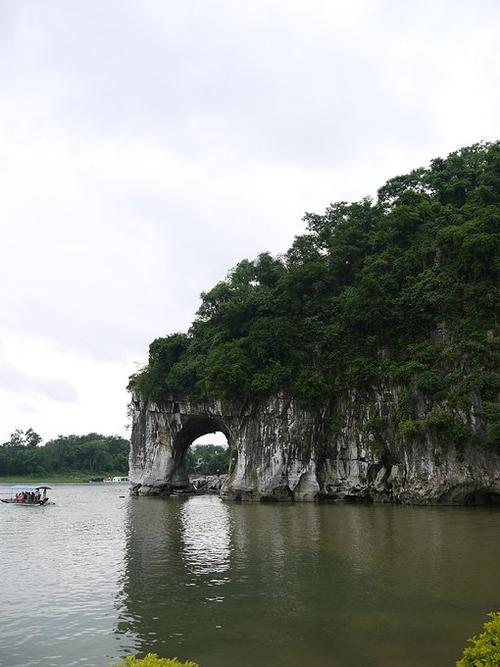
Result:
<point x="91" y="453"/>
<point x="207" y="459"/>
<point x="403" y="288"/>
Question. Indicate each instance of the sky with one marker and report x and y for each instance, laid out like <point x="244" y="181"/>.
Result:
<point x="147" y="147"/>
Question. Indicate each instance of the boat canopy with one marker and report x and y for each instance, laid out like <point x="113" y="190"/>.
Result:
<point x="29" y="487"/>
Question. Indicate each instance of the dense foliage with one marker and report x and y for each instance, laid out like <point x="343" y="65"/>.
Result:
<point x="152" y="660"/>
<point x="92" y="453"/>
<point x="401" y="290"/>
<point x="207" y="459"/>
<point x="485" y="649"/>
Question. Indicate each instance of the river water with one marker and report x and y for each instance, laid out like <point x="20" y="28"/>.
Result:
<point x="100" y="575"/>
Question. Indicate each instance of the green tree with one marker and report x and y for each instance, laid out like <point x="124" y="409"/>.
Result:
<point x="90" y="453"/>
<point x="23" y="439"/>
<point x="207" y="459"/>
<point x="403" y="289"/>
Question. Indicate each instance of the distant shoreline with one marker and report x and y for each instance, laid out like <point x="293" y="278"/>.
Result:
<point x="68" y="477"/>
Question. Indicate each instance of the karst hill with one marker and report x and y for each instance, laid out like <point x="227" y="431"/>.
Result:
<point x="361" y="364"/>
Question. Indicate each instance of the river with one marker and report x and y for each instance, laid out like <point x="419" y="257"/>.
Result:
<point x="100" y="575"/>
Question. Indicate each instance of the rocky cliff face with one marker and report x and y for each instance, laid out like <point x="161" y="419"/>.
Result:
<point x="352" y="450"/>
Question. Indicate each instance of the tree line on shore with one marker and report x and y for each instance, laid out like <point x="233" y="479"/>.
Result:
<point x="93" y="453"/>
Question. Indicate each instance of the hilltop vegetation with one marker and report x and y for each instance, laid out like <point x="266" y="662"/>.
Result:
<point x="91" y="453"/>
<point x="402" y="290"/>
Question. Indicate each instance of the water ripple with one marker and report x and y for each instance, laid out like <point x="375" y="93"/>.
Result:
<point x="95" y="578"/>
<point x="206" y="537"/>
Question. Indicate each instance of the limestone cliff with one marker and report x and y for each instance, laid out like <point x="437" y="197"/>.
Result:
<point x="352" y="450"/>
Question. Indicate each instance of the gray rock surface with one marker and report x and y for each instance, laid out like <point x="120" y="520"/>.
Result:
<point x="280" y="451"/>
<point x="208" y="484"/>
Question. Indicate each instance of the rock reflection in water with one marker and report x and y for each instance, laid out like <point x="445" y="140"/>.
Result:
<point x="229" y="584"/>
<point x="177" y="558"/>
<point x="205" y="536"/>
<point x="327" y="586"/>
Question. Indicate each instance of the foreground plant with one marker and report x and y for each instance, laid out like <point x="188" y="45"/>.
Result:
<point x="485" y="649"/>
<point x="152" y="660"/>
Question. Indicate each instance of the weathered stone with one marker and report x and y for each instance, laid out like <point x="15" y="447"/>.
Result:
<point x="208" y="484"/>
<point x="279" y="451"/>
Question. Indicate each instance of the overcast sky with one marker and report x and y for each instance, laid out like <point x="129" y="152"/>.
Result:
<point x="147" y="147"/>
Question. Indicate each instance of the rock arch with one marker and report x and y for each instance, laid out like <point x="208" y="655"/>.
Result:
<point x="193" y="427"/>
<point x="282" y="451"/>
<point x="161" y="436"/>
<point x="270" y="452"/>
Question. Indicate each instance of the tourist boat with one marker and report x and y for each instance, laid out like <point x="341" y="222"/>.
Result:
<point x="115" y="480"/>
<point x="18" y="489"/>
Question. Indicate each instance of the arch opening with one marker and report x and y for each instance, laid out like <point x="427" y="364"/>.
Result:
<point x="203" y="454"/>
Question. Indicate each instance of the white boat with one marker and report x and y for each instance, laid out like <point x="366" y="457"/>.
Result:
<point x="28" y="495"/>
<point x="115" y="480"/>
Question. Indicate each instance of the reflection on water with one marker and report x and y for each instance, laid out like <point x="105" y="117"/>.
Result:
<point x="229" y="584"/>
<point x="250" y="585"/>
<point x="205" y="537"/>
<point x="60" y="569"/>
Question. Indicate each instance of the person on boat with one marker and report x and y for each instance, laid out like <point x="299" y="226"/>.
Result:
<point x="37" y="496"/>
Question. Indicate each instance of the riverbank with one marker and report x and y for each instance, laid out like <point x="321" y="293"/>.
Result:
<point x="54" y="478"/>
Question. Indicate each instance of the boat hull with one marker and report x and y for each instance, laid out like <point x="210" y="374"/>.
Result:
<point x="15" y="502"/>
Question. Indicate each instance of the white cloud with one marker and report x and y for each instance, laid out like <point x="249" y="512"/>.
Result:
<point x="13" y="379"/>
<point x="52" y="405"/>
<point x="146" y="148"/>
